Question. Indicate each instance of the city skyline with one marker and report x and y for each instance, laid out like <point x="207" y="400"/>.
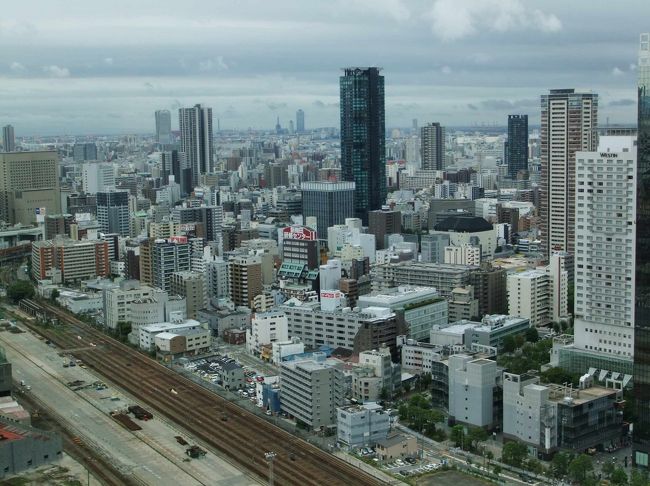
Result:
<point x="489" y="60"/>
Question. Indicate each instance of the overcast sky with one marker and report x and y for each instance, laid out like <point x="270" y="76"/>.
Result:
<point x="95" y="66"/>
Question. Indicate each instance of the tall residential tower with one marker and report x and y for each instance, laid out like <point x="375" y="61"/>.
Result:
<point x="8" y="138"/>
<point x="517" y="146"/>
<point x="432" y="139"/>
<point x="567" y="126"/>
<point x="163" y="127"/>
<point x="196" y="139"/>
<point x="363" y="137"/>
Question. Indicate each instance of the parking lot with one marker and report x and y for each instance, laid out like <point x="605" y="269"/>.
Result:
<point x="210" y="369"/>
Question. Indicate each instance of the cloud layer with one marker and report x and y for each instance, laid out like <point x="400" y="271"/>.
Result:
<point x="85" y="67"/>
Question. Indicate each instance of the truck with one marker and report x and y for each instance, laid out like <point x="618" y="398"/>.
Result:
<point x="140" y="413"/>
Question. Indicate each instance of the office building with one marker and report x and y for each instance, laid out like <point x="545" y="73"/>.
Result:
<point x="362" y="425"/>
<point x="432" y="151"/>
<point x="463" y="305"/>
<point x="163" y="127"/>
<point x="421" y="307"/>
<point x="29" y="186"/>
<point x="363" y="137"/>
<point x="444" y="278"/>
<point x="300" y="121"/>
<point x="357" y="330"/>
<point x="641" y="436"/>
<point x="558" y="273"/>
<point x="528" y="296"/>
<point x="191" y="286"/>
<point x="516" y="152"/>
<point x="208" y="220"/>
<point x="375" y="375"/>
<point x="195" y="125"/>
<point x="311" y="392"/>
<point x="8" y="138"/>
<point x="331" y="203"/>
<point x="382" y="223"/>
<point x="432" y="247"/>
<point x="550" y="417"/>
<point x="168" y="257"/>
<point x="300" y="245"/>
<point x="489" y="331"/>
<point x="98" y="176"/>
<point x="469" y="230"/>
<point x="113" y="212"/>
<point x="84" y="151"/>
<point x="58" y="224"/>
<point x="567" y="127"/>
<point x="69" y="261"/>
<point x="245" y="279"/>
<point x="472" y="386"/>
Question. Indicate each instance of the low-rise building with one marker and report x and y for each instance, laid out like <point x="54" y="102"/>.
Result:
<point x="491" y="331"/>
<point x="375" y="377"/>
<point x="463" y="305"/>
<point x="80" y="302"/>
<point x="396" y="446"/>
<point x="147" y="334"/>
<point x="266" y="328"/>
<point x="68" y="261"/>
<point x="232" y="376"/>
<point x="23" y="447"/>
<point x="362" y="425"/>
<point x="422" y="307"/>
<point x="551" y="417"/>
<point x="311" y="391"/>
<point x="284" y="349"/>
<point x="182" y="342"/>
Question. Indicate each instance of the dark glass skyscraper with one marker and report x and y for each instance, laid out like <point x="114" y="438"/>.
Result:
<point x="363" y="137"/>
<point x="329" y="202"/>
<point x="517" y="147"/>
<point x="641" y="437"/>
<point x="196" y="140"/>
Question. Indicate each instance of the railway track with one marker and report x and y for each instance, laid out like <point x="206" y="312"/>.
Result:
<point x="238" y="434"/>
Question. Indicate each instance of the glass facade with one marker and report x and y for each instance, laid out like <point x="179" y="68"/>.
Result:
<point x="329" y="202"/>
<point x="363" y="137"/>
<point x="641" y="437"/>
<point x="517" y="148"/>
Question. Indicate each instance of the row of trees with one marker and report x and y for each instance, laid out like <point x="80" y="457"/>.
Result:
<point x="420" y="416"/>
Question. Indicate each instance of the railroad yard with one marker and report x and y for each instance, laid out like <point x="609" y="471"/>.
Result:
<point x="84" y="402"/>
<point x="220" y="426"/>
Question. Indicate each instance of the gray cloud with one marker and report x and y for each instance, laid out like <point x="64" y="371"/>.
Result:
<point x="623" y="102"/>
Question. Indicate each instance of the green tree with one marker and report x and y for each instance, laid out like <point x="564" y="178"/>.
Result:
<point x="458" y="435"/>
<point x="489" y="455"/>
<point x="21" y="289"/>
<point x="580" y="467"/>
<point x="475" y="435"/>
<point x="383" y="394"/>
<point x="639" y="477"/>
<point x="496" y="469"/>
<point x="519" y="341"/>
<point x="54" y="295"/>
<point x="608" y="468"/>
<point x="532" y="335"/>
<point x="534" y="466"/>
<point x="509" y="344"/>
<point x="558" y="375"/>
<point x="407" y="387"/>
<point x="122" y="330"/>
<point x="619" y="476"/>
<point x="403" y="411"/>
<point x="560" y="465"/>
<point x="514" y="454"/>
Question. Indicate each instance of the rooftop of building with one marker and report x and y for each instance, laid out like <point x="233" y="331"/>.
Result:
<point x="528" y="274"/>
<point x="167" y="326"/>
<point x="464" y="224"/>
<point x="392" y="440"/>
<point x="363" y="407"/>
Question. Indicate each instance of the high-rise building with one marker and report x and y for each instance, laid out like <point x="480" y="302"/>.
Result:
<point x="383" y="223"/>
<point x="363" y="137"/>
<point x="605" y="236"/>
<point x="517" y="146"/>
<point x="8" y="138"/>
<point x="300" y="121"/>
<point x="300" y="245"/>
<point x="567" y="126"/>
<point x="196" y="139"/>
<point x="168" y="257"/>
<point x="163" y="127"/>
<point x="29" y="186"/>
<point x="84" y="151"/>
<point x="245" y="279"/>
<point x="329" y="202"/>
<point x="528" y="296"/>
<point x="190" y="285"/>
<point x="174" y="163"/>
<point x="113" y="212"/>
<point x="68" y="261"/>
<point x="432" y="151"/>
<point x="98" y="176"/>
<point x="641" y="435"/>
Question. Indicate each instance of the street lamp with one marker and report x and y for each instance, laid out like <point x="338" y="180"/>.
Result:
<point x="270" y="457"/>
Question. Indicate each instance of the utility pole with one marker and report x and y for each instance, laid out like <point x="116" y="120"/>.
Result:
<point x="270" y="457"/>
